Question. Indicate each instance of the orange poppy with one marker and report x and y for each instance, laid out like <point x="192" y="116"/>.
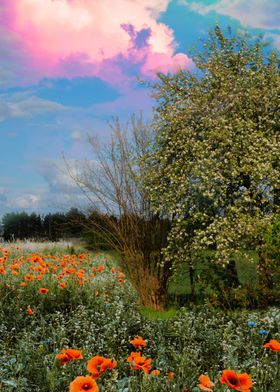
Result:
<point x="43" y="290"/>
<point x="62" y="285"/>
<point x="29" y="311"/>
<point x="138" y="342"/>
<point x="170" y="375"/>
<point x="239" y="382"/>
<point x="155" y="373"/>
<point x="205" y="384"/>
<point x="68" y="355"/>
<point x="81" y="384"/>
<point x="132" y="356"/>
<point x="97" y="365"/>
<point x="273" y="345"/>
<point x="142" y="363"/>
<point x="28" y="278"/>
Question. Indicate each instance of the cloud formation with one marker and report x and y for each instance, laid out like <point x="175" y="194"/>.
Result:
<point x="253" y="13"/>
<point x="69" y="38"/>
<point x="20" y="105"/>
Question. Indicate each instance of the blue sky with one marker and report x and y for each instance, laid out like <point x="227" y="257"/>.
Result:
<point x="68" y="67"/>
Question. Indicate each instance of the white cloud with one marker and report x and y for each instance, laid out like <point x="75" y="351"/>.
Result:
<point x="251" y="13"/>
<point x="19" y="105"/>
<point x="28" y="201"/>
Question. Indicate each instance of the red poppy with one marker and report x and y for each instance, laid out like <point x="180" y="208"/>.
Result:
<point x="273" y="345"/>
<point x="43" y="290"/>
<point x="239" y="382"/>
<point x="81" y="384"/>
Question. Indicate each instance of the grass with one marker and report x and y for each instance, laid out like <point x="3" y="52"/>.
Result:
<point x="151" y="314"/>
<point x="246" y="263"/>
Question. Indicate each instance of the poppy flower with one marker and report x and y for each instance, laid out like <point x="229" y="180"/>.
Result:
<point x="29" y="311"/>
<point x="97" y="365"/>
<point x="273" y="345"/>
<point x="132" y="356"/>
<point x="239" y="382"/>
<point x="138" y="342"/>
<point x="81" y="384"/>
<point x="205" y="384"/>
<point x="155" y="373"/>
<point x="170" y="375"/>
<point x="68" y="355"/>
<point x="28" y="278"/>
<point x="142" y="363"/>
<point x="43" y="290"/>
<point x="62" y="285"/>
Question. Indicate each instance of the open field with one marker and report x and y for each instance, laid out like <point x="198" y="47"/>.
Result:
<point x="59" y="298"/>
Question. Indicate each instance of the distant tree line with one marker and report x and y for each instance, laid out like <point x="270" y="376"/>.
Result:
<point x="52" y="226"/>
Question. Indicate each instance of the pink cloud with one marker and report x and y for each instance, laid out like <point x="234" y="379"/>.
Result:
<point x="67" y="38"/>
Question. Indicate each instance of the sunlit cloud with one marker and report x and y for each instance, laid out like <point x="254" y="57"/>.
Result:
<point x="69" y="38"/>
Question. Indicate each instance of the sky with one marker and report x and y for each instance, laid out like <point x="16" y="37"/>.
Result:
<point x="67" y="67"/>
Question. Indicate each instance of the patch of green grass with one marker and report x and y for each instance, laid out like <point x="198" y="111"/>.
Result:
<point x="158" y="315"/>
<point x="246" y="263"/>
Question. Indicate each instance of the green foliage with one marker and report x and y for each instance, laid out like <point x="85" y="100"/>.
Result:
<point x="215" y="163"/>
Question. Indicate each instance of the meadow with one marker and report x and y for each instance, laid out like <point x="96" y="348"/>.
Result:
<point x="71" y="321"/>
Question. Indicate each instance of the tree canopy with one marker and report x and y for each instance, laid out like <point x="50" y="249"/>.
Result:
<point x="215" y="162"/>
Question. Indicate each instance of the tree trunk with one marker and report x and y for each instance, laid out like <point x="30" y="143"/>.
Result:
<point x="192" y="282"/>
<point x="265" y="271"/>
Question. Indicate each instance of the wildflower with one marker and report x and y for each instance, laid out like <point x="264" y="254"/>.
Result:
<point x="138" y="342"/>
<point x="205" y="384"/>
<point x="142" y="363"/>
<point x="100" y="268"/>
<point x="28" y="278"/>
<point x="170" y="375"/>
<point x="23" y="284"/>
<point x="29" y="311"/>
<point x="2" y="270"/>
<point x="43" y="290"/>
<point x="62" y="285"/>
<point x="251" y="324"/>
<point x="273" y="345"/>
<point x="81" y="384"/>
<point x="155" y="373"/>
<point x="264" y="332"/>
<point x="97" y="365"/>
<point x="68" y="355"/>
<point x="237" y="381"/>
<point x="132" y="356"/>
